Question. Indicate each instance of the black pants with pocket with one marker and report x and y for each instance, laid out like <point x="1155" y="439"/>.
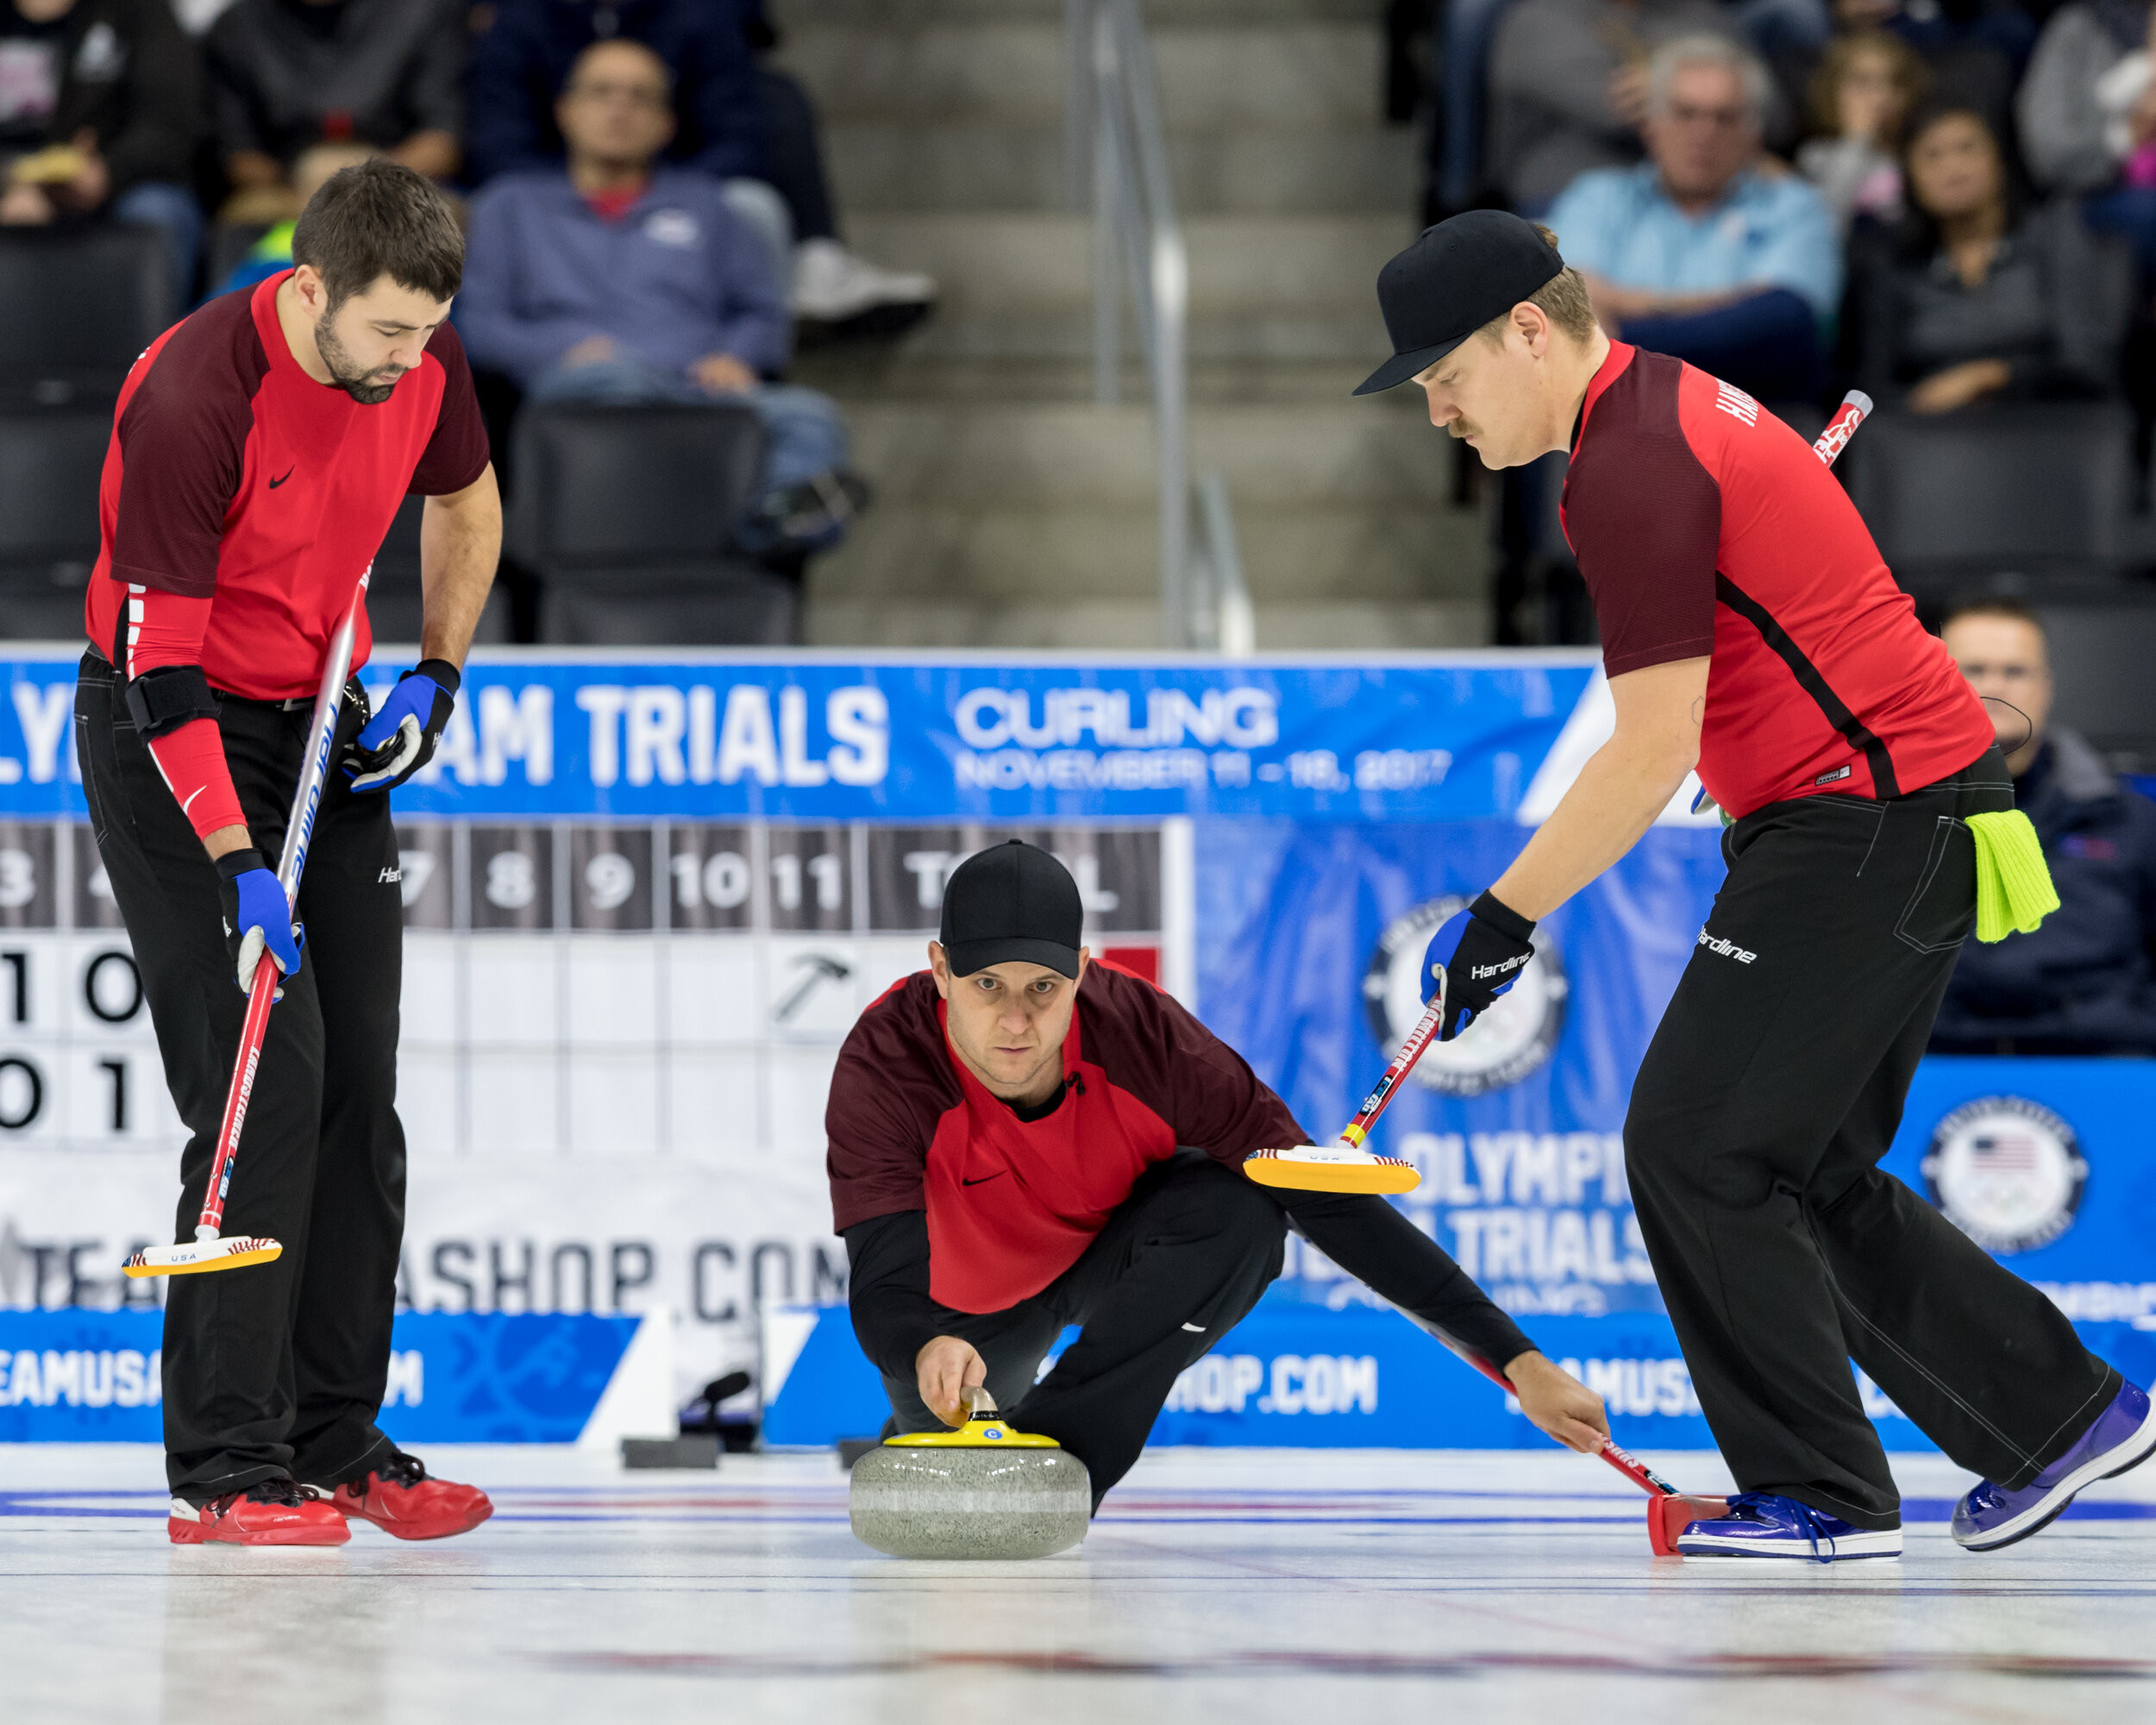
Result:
<point x="279" y="1367"/>
<point x="1769" y="1093"/>
<point x="1179" y="1263"/>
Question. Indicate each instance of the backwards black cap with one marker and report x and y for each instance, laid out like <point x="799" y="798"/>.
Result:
<point x="1011" y="902"/>
<point x="1457" y="276"/>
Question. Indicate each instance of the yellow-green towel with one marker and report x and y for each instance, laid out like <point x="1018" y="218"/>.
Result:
<point x="2013" y="888"/>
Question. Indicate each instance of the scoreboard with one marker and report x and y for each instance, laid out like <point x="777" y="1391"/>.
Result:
<point x="79" y="1062"/>
<point x="571" y="987"/>
<point x="678" y="988"/>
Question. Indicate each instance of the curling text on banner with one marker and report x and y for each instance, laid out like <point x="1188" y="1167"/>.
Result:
<point x="647" y="896"/>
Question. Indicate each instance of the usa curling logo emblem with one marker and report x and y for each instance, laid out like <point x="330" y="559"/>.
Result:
<point x="1500" y="1048"/>
<point x="2008" y="1172"/>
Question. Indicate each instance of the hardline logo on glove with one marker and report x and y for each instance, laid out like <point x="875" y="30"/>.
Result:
<point x="1505" y="1046"/>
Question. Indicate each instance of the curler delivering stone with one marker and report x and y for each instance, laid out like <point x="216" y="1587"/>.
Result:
<point x="983" y="1492"/>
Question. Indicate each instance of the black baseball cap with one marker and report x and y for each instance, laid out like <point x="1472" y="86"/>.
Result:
<point x="1457" y="276"/>
<point x="1011" y="902"/>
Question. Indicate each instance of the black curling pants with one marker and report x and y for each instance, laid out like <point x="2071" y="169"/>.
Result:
<point x="1179" y="1263"/>
<point x="279" y="1367"/>
<point x="1769" y="1093"/>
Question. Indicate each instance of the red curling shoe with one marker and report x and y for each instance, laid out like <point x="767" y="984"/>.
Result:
<point x="274" y="1512"/>
<point x="401" y="1498"/>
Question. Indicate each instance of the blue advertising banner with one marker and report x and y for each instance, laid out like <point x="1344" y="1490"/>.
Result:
<point x="647" y="895"/>
<point x="78" y="1375"/>
<point x="1307" y="962"/>
<point x="816" y="737"/>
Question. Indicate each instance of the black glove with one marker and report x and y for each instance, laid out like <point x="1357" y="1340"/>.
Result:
<point x="400" y="739"/>
<point x="1482" y="950"/>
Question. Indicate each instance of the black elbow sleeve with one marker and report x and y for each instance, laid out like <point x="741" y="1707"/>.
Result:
<point x="162" y="700"/>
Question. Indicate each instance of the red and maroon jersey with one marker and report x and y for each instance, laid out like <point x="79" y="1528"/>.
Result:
<point x="1703" y="526"/>
<point x="240" y="504"/>
<point x="1011" y="1204"/>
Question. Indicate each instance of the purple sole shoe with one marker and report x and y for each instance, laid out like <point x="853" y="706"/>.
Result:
<point x="2122" y="1436"/>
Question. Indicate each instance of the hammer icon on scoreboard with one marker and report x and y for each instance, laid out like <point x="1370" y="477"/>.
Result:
<point x="822" y="968"/>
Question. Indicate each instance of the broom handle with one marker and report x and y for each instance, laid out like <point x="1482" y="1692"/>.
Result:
<point x="299" y="827"/>
<point x="1842" y="427"/>
<point x="1633" y="1469"/>
<point x="1419" y="1038"/>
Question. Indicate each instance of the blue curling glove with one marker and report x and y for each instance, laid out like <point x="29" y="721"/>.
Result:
<point x="1482" y="950"/>
<point x="256" y="916"/>
<point x="400" y="739"/>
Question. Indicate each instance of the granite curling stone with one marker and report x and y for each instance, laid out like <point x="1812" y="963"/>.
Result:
<point x="983" y="1492"/>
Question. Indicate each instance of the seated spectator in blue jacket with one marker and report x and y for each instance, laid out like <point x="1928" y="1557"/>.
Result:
<point x="1702" y="251"/>
<point x="2085" y="981"/>
<point x="1970" y="298"/>
<point x="751" y="127"/>
<point x="619" y="279"/>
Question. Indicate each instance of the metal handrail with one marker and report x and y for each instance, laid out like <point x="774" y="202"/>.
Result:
<point x="1230" y="626"/>
<point x="1117" y="160"/>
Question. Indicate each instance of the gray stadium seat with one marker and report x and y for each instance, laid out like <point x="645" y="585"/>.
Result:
<point x="50" y="462"/>
<point x="395" y="602"/>
<point x="626" y="516"/>
<point x="2035" y="487"/>
<point x="228" y="244"/>
<point x="2102" y="643"/>
<point x="76" y="308"/>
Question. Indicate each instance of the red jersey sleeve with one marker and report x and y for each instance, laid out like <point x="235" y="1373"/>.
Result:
<point x="457" y="453"/>
<point x="889" y="1093"/>
<point x="183" y="440"/>
<point x="164" y="629"/>
<point x="183" y="443"/>
<point x="1642" y="518"/>
<point x="1148" y="1045"/>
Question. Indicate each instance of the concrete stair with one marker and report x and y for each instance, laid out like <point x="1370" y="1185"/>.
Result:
<point x="1013" y="511"/>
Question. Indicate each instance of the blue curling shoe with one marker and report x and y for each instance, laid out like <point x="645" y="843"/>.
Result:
<point x="1761" y="1524"/>
<point x="2122" y="1436"/>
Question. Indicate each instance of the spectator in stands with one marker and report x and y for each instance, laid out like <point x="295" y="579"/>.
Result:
<point x="2088" y="116"/>
<point x="273" y="254"/>
<point x="1862" y="94"/>
<point x="833" y="288"/>
<point x="2085" y="981"/>
<point x="1698" y="251"/>
<point x="1971" y="300"/>
<point x="1568" y="88"/>
<point x="621" y="278"/>
<point x="752" y="128"/>
<point x="286" y="74"/>
<point x="1974" y="50"/>
<point x="100" y="105"/>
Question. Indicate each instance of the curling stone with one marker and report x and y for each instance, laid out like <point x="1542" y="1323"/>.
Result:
<point x="984" y="1492"/>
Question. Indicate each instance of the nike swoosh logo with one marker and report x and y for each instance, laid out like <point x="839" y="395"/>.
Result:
<point x="281" y="479"/>
<point x="983" y="1180"/>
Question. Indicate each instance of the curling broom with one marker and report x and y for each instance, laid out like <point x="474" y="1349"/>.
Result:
<point x="210" y="1249"/>
<point x="1669" y="1510"/>
<point x="1344" y="1165"/>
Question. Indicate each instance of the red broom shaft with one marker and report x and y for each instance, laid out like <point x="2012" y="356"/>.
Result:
<point x="252" y="1032"/>
<point x="299" y="832"/>
<point x="1411" y="1051"/>
<point x="1843" y="426"/>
